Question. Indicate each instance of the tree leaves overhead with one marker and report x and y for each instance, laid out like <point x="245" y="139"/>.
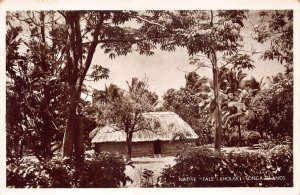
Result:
<point x="277" y="28"/>
<point x="196" y="31"/>
<point x="99" y="72"/>
<point x="242" y="61"/>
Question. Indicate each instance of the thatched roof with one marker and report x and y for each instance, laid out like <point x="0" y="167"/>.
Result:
<point x="171" y="127"/>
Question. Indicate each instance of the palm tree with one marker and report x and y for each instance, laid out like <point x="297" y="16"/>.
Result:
<point x="232" y="104"/>
<point x="138" y="90"/>
<point x="232" y="113"/>
<point x="109" y="94"/>
<point x="231" y="81"/>
<point x="136" y="85"/>
<point x="235" y="92"/>
<point x="197" y="84"/>
<point x="253" y="86"/>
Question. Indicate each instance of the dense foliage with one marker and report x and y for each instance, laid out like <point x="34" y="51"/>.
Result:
<point x="123" y="110"/>
<point x="35" y="93"/>
<point x="248" y="138"/>
<point x="271" y="111"/>
<point x="205" y="168"/>
<point x="57" y="48"/>
<point x="277" y="28"/>
<point x="185" y="102"/>
<point x="102" y="170"/>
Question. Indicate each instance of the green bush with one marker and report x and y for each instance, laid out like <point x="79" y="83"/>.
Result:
<point x="248" y="138"/>
<point x="282" y="163"/>
<point x="206" y="168"/>
<point x="189" y="167"/>
<point x="253" y="137"/>
<point x="39" y="174"/>
<point x="101" y="170"/>
<point x="234" y="139"/>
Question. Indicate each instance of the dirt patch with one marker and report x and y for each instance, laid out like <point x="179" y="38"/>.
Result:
<point x="139" y="164"/>
<point x="238" y="149"/>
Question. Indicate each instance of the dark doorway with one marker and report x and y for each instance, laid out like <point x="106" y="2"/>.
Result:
<point x="157" y="146"/>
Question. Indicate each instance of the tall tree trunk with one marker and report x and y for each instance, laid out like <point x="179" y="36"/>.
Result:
<point x="79" y="140"/>
<point x="218" y="130"/>
<point x="129" y="145"/>
<point x="69" y="135"/>
<point x="44" y="112"/>
<point x="77" y="71"/>
<point x="74" y="81"/>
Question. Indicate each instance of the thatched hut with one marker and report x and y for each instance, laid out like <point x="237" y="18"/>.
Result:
<point x="170" y="137"/>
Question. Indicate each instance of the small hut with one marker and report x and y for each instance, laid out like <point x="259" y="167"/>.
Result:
<point x="171" y="136"/>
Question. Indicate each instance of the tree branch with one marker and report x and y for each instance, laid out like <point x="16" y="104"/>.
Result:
<point x="92" y="48"/>
<point x="116" y="41"/>
<point x="148" y="21"/>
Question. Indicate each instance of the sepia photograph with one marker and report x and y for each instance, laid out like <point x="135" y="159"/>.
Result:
<point x="149" y="98"/>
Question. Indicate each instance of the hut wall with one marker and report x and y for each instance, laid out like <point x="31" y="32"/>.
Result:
<point x="143" y="149"/>
<point x="172" y="148"/>
<point x="139" y="149"/>
<point x="112" y="147"/>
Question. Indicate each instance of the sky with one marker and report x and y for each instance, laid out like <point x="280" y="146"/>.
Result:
<point x="165" y="70"/>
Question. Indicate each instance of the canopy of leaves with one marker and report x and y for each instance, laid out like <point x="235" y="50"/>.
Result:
<point x="124" y="109"/>
<point x="271" y="111"/>
<point x="35" y="118"/>
<point x="277" y="28"/>
<point x="201" y="32"/>
<point x="185" y="102"/>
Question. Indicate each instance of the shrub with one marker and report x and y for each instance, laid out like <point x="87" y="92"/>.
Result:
<point x="252" y="138"/>
<point x="101" y="170"/>
<point x="234" y="139"/>
<point x="282" y="163"/>
<point x="205" y="168"/>
<point x="39" y="175"/>
<point x="189" y="166"/>
<point x="248" y="138"/>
